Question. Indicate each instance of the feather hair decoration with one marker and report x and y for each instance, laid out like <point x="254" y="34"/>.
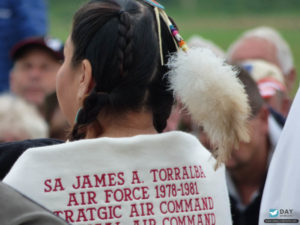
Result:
<point x="214" y="96"/>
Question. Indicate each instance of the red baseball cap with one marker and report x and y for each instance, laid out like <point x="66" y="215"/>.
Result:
<point x="53" y="45"/>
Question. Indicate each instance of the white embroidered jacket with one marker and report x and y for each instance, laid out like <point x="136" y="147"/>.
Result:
<point x="160" y="179"/>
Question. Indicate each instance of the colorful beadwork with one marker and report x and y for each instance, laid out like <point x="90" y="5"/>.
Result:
<point x="177" y="37"/>
<point x="181" y="43"/>
<point x="155" y="4"/>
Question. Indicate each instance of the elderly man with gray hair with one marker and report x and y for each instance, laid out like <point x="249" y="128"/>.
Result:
<point x="267" y="44"/>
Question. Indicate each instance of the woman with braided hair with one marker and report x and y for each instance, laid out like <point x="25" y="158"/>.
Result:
<point x="124" y="63"/>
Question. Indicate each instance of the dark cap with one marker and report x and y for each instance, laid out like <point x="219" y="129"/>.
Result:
<point x="53" y="45"/>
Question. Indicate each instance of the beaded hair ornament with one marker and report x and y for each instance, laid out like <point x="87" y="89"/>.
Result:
<point x="159" y="12"/>
<point x="208" y="88"/>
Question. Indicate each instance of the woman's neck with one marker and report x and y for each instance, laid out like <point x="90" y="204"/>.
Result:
<point x="130" y="124"/>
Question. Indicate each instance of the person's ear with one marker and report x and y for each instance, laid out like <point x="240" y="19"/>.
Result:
<point x="86" y="81"/>
<point x="290" y="80"/>
<point x="285" y="106"/>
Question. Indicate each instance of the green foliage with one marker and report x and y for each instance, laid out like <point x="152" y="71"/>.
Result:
<point x="61" y="12"/>
<point x="236" y="6"/>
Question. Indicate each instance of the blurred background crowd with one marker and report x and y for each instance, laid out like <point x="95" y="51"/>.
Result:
<point x="219" y="21"/>
<point x="260" y="37"/>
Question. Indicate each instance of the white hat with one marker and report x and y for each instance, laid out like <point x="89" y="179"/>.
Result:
<point x="268" y="77"/>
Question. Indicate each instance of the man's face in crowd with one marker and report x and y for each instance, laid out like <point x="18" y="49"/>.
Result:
<point x="247" y="153"/>
<point x="33" y="76"/>
<point x="256" y="149"/>
<point x="257" y="48"/>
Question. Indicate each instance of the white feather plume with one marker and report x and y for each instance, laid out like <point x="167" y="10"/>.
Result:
<point x="214" y="96"/>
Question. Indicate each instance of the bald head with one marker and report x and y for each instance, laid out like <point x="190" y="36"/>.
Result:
<point x="267" y="44"/>
<point x="255" y="48"/>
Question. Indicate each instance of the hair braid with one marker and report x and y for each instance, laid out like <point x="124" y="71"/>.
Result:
<point x="115" y="42"/>
<point x="125" y="43"/>
<point x="89" y="112"/>
<point x="77" y="133"/>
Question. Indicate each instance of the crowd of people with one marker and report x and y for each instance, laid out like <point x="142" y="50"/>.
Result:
<point x="126" y="123"/>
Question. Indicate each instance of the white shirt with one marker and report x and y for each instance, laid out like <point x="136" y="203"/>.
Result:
<point x="161" y="179"/>
<point x="282" y="188"/>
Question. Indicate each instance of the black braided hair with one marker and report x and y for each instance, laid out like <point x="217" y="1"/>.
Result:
<point x="125" y="43"/>
<point x="120" y="39"/>
<point x="89" y="112"/>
